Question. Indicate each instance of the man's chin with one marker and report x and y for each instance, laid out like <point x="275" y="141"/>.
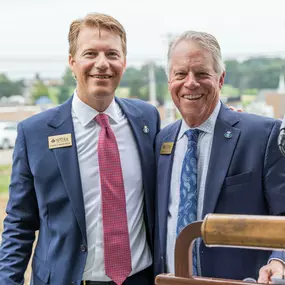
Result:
<point x="192" y="117"/>
<point x="101" y="94"/>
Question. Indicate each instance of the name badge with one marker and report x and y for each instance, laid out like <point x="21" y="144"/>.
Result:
<point x="166" y="148"/>
<point x="59" y="141"/>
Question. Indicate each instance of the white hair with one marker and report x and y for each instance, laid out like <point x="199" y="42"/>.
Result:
<point x="206" y="41"/>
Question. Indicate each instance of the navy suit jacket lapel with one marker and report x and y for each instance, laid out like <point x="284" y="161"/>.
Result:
<point x="165" y="163"/>
<point x="145" y="147"/>
<point x="221" y="156"/>
<point x="137" y="122"/>
<point x="67" y="160"/>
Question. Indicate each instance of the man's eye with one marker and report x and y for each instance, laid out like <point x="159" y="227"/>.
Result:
<point x="202" y="73"/>
<point x="180" y="74"/>
<point x="90" y="53"/>
<point x="113" y="54"/>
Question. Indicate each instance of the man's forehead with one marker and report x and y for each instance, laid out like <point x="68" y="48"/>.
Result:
<point x="89" y="36"/>
<point x="189" y="48"/>
<point x="191" y="60"/>
<point x="190" y="53"/>
<point x="99" y="31"/>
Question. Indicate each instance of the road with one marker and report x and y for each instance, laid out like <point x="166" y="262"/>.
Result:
<point x="6" y="157"/>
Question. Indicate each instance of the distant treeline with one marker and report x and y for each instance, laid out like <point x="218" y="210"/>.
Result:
<point x="254" y="73"/>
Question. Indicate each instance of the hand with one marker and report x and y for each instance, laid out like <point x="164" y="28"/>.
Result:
<point x="275" y="268"/>
<point x="235" y="109"/>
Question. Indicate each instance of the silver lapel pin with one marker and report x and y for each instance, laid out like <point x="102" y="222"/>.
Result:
<point x="145" y="129"/>
<point x="228" y="135"/>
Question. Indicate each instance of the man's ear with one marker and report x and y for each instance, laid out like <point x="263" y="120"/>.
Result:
<point x="169" y="81"/>
<point x="70" y="61"/>
<point x="222" y="80"/>
<point x="125" y="65"/>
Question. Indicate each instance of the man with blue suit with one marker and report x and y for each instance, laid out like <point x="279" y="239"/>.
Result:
<point x="83" y="175"/>
<point x="214" y="160"/>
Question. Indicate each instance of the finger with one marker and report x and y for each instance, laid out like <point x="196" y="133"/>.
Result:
<point x="264" y="275"/>
<point x="277" y="277"/>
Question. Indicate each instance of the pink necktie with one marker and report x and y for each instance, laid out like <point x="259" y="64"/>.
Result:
<point x="117" y="253"/>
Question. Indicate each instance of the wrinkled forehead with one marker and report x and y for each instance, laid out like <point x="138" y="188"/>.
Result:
<point x="189" y="53"/>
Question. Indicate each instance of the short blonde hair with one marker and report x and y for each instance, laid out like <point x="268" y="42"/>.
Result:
<point x="100" y="21"/>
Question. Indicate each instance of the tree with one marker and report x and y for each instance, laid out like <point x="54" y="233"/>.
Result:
<point x="233" y="73"/>
<point x="229" y="91"/>
<point x="130" y="75"/>
<point x="39" y="89"/>
<point x="135" y="89"/>
<point x="138" y="81"/>
<point x="9" y="88"/>
<point x="67" y="87"/>
<point x="256" y="73"/>
<point x="161" y="93"/>
<point x="68" y="78"/>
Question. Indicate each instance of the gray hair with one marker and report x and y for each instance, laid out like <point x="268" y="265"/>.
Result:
<point x="206" y="41"/>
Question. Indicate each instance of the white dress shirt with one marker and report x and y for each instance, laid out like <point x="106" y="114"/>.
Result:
<point x="86" y="135"/>
<point x="204" y="146"/>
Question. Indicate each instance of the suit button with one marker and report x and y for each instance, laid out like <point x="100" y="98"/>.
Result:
<point x="83" y="248"/>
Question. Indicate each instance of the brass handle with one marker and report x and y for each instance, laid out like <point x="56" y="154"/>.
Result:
<point x="247" y="231"/>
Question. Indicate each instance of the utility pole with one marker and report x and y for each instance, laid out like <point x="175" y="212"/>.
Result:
<point x="152" y="82"/>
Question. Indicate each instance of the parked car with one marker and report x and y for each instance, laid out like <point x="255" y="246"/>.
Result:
<point x="8" y="134"/>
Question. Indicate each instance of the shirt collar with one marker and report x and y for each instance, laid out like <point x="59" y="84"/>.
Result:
<point x="207" y="127"/>
<point x="86" y="114"/>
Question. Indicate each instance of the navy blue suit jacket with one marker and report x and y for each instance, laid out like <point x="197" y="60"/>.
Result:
<point x="246" y="175"/>
<point x="46" y="195"/>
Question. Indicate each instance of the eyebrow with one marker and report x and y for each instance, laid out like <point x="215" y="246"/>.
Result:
<point x="112" y="49"/>
<point x="87" y="49"/>
<point x="95" y="49"/>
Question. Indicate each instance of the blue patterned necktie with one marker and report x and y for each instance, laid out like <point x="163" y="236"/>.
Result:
<point x="187" y="212"/>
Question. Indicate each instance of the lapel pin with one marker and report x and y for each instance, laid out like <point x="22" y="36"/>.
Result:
<point x="146" y="129"/>
<point x="228" y="134"/>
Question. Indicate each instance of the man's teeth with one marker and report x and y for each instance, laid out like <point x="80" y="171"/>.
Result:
<point x="101" y="76"/>
<point x="192" y="97"/>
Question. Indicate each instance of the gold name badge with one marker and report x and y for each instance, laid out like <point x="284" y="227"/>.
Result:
<point x="166" y="148"/>
<point x="59" y="141"/>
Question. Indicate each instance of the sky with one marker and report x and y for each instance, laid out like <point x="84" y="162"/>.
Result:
<point x="33" y="33"/>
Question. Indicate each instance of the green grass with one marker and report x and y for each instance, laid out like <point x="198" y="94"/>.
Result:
<point x="5" y="172"/>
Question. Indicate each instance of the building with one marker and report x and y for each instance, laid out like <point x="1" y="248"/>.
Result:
<point x="276" y="98"/>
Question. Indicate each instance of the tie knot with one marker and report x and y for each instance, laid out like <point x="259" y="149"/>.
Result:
<point x="102" y="120"/>
<point x="192" y="134"/>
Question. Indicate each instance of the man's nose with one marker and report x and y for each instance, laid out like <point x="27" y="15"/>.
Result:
<point x="191" y="81"/>
<point x="101" y="62"/>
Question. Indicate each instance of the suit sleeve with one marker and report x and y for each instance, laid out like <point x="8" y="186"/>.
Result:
<point x="274" y="178"/>
<point x="22" y="218"/>
<point x="274" y="174"/>
<point x="158" y="121"/>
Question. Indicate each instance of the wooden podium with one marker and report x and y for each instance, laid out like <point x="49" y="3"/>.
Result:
<point x="245" y="231"/>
